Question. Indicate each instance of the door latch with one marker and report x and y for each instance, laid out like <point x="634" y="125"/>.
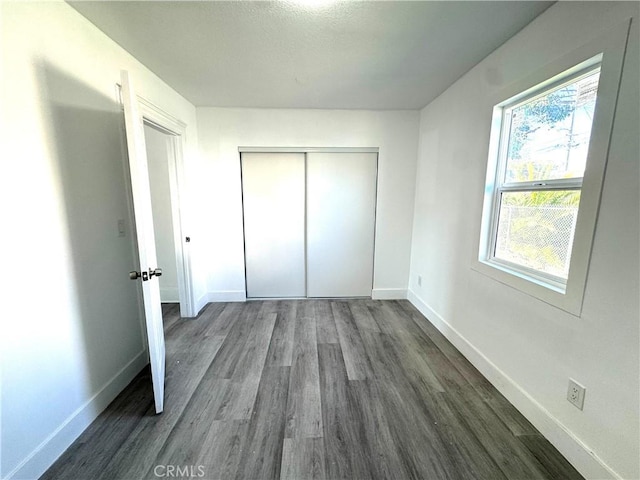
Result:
<point x="157" y="272"/>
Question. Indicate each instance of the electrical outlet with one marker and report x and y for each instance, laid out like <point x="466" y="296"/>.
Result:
<point x="419" y="280"/>
<point x="575" y="393"/>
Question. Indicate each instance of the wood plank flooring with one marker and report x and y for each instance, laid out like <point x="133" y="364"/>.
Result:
<point x="311" y="389"/>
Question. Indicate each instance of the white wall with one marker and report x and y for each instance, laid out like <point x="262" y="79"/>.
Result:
<point x="158" y="161"/>
<point x="71" y="332"/>
<point x="528" y="348"/>
<point x="223" y="130"/>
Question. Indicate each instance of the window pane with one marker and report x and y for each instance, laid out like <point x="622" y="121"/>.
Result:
<point x="535" y="229"/>
<point x="549" y="136"/>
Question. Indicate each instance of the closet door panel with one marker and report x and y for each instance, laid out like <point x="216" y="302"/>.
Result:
<point x="341" y="206"/>
<point x="273" y="186"/>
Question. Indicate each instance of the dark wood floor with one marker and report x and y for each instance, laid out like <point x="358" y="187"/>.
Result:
<point x="321" y="389"/>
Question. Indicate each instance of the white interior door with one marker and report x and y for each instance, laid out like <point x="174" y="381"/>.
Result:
<point x="341" y="210"/>
<point x="146" y="242"/>
<point x="273" y="201"/>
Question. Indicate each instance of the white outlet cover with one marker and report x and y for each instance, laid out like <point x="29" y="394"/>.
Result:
<point x="575" y="393"/>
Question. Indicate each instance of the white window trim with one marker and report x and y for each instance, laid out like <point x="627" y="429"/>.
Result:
<point x="504" y="109"/>
<point x="608" y="50"/>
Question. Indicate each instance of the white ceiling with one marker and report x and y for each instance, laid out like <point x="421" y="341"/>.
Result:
<point x="292" y="54"/>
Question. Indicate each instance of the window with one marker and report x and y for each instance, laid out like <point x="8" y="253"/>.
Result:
<point x="548" y="152"/>
<point x="542" y="156"/>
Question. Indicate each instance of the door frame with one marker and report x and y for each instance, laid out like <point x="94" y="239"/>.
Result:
<point x="177" y="130"/>
<point x="309" y="150"/>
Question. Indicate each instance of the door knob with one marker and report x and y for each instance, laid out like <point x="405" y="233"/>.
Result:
<point x="136" y="275"/>
<point x="157" y="272"/>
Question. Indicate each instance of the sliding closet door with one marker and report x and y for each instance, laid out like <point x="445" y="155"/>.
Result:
<point x="341" y="208"/>
<point x="273" y="202"/>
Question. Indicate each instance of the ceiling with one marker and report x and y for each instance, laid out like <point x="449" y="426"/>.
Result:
<point x="310" y="53"/>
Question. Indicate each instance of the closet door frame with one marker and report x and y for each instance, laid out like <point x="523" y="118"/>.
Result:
<point x="306" y="150"/>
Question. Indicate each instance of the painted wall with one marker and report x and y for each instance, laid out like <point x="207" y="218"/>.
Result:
<point x="528" y="348"/>
<point x="71" y="330"/>
<point x="223" y="130"/>
<point x="157" y="158"/>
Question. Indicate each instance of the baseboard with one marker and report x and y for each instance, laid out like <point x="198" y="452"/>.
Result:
<point x="389" y="293"/>
<point x="45" y="454"/>
<point x="241" y="296"/>
<point x="573" y="449"/>
<point x="220" y="296"/>
<point x="201" y="303"/>
<point x="227" y="296"/>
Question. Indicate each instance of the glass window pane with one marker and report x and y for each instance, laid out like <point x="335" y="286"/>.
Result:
<point x="549" y="135"/>
<point x="535" y="229"/>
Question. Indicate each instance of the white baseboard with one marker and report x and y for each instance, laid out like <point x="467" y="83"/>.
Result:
<point x="220" y="296"/>
<point x="241" y="296"/>
<point x="389" y="293"/>
<point x="201" y="303"/>
<point x="573" y="449"/>
<point x="45" y="454"/>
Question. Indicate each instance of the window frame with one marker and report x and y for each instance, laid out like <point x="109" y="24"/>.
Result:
<point x="607" y="54"/>
<point x="500" y="186"/>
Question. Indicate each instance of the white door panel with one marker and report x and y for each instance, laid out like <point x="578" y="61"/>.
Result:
<point x="273" y="202"/>
<point x="341" y="207"/>
<point x="146" y="243"/>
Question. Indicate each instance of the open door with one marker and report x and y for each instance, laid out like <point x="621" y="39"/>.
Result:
<point x="146" y="242"/>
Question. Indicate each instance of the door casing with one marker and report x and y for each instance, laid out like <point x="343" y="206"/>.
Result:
<point x="176" y="129"/>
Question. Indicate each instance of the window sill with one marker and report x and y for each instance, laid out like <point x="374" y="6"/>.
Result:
<point x="567" y="299"/>
<point x="522" y="273"/>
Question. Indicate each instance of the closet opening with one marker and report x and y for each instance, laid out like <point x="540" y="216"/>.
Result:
<point x="309" y="222"/>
